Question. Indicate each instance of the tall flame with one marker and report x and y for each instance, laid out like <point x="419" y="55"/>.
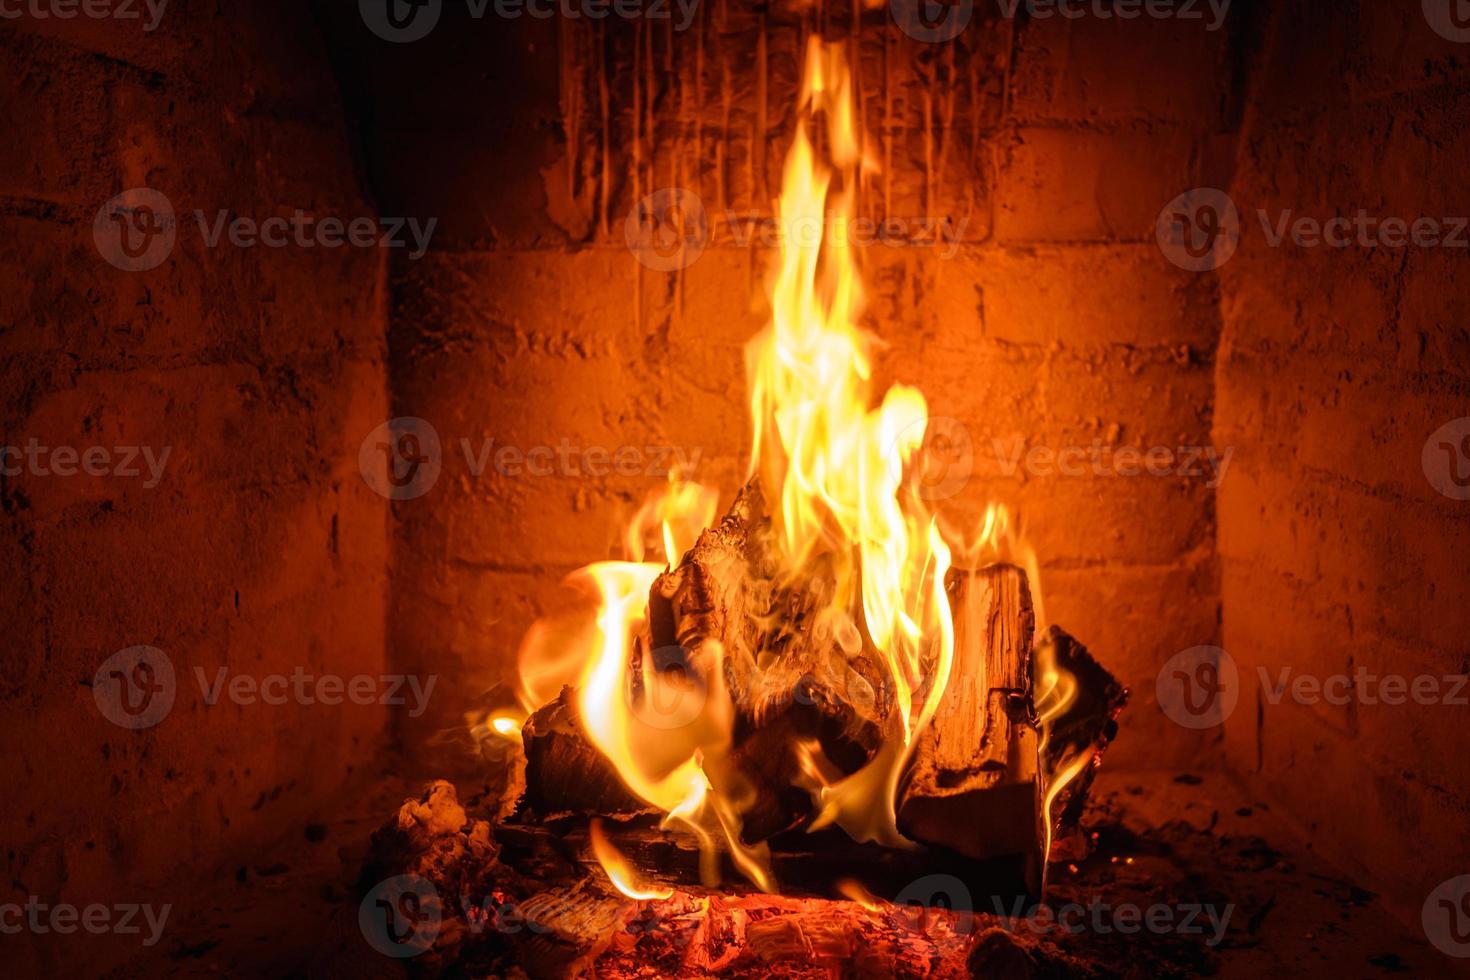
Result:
<point x="842" y="469"/>
<point x="837" y="464"/>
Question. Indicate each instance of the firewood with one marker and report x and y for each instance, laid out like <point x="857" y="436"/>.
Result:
<point x="562" y="931"/>
<point x="803" y="864"/>
<point x="1088" y="725"/>
<point x="795" y="672"/>
<point x="565" y="773"/>
<point x="974" y="785"/>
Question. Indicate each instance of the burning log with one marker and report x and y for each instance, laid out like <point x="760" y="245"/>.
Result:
<point x="795" y="674"/>
<point x="565" y="774"/>
<point x="974" y="784"/>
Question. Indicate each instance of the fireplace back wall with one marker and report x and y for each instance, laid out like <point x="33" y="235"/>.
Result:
<point x="1046" y="320"/>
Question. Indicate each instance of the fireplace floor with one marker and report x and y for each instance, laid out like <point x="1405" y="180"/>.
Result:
<point x="1161" y="838"/>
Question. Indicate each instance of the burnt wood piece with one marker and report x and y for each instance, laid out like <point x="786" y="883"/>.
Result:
<point x="974" y="783"/>
<point x="1088" y="725"/>
<point x="803" y="864"/>
<point x="565" y="773"/>
<point x="795" y="672"/>
<point x="562" y="931"/>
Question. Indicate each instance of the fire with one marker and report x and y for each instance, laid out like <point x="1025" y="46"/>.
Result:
<point x="619" y="871"/>
<point x="840" y="466"/>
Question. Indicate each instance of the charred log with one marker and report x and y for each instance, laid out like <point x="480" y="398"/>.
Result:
<point x="1087" y="726"/>
<point x="565" y="773"/>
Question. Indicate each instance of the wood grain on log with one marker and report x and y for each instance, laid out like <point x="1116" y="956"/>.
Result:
<point x="974" y="783"/>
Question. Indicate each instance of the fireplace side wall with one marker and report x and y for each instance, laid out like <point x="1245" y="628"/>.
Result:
<point x="1338" y="557"/>
<point x="258" y="550"/>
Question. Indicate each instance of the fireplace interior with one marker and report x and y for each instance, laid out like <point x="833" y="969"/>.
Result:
<point x="803" y="489"/>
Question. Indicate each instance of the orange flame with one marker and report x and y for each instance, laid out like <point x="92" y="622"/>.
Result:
<point x="839" y="464"/>
<point x="619" y="871"/>
<point x="842" y="469"/>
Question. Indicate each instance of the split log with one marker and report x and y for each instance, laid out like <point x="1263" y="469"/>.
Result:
<point x="974" y="783"/>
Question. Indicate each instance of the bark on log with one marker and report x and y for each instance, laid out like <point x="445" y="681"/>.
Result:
<point x="974" y="784"/>
<point x="1088" y="725"/>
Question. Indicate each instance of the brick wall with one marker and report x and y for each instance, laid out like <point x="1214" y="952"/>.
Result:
<point x="260" y="548"/>
<point x="1336" y="365"/>
<point x="1049" y="318"/>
